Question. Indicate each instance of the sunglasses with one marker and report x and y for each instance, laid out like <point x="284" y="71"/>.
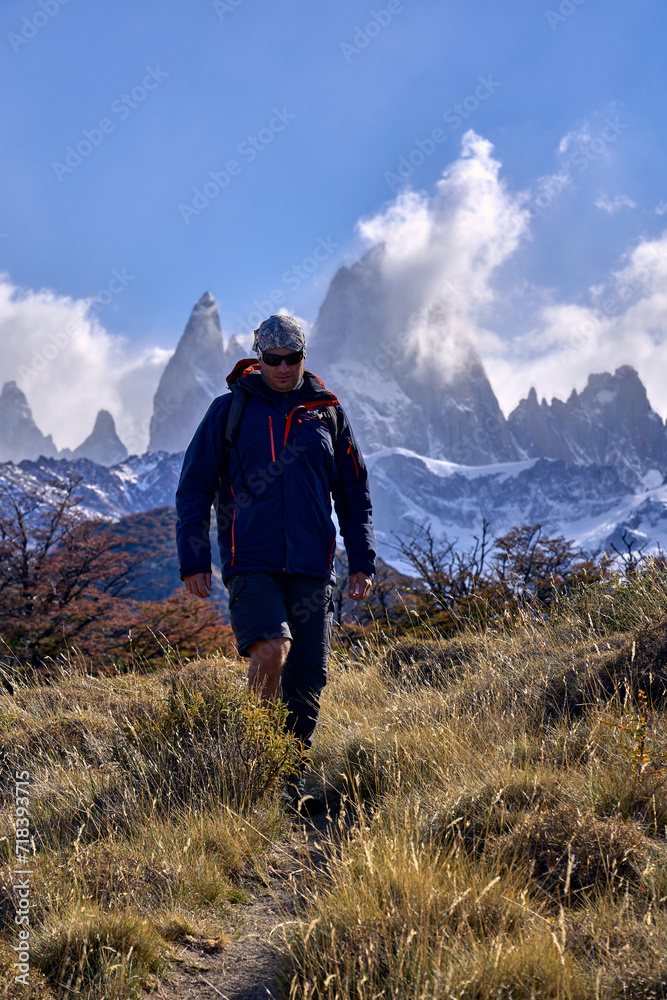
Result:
<point x="274" y="360"/>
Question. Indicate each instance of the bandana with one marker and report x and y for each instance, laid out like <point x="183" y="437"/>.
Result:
<point x="279" y="331"/>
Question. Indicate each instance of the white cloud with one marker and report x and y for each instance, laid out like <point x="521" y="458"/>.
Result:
<point x="441" y="254"/>
<point x="661" y="208"/>
<point x="70" y="367"/>
<point x="613" y="205"/>
<point x="626" y="324"/>
<point x="443" y="258"/>
<point x="577" y="137"/>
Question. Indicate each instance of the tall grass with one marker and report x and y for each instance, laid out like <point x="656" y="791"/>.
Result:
<point x="503" y="829"/>
<point x="153" y="806"/>
<point x="506" y="811"/>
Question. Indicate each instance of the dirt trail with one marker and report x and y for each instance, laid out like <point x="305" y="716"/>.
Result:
<point x="246" y="968"/>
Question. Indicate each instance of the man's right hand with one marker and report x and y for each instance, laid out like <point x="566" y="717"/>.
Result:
<point x="199" y="584"/>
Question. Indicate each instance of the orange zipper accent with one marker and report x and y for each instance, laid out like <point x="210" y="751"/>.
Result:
<point x="233" y="519"/>
<point x="333" y="549"/>
<point x="273" y="450"/>
<point x="350" y="452"/>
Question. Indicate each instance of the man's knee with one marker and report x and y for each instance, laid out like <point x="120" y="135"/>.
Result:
<point x="270" y="654"/>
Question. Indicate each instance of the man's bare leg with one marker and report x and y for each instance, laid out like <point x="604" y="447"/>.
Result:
<point x="267" y="659"/>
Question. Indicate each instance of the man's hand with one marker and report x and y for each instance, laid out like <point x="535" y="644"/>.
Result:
<point x="360" y="586"/>
<point x="199" y="584"/>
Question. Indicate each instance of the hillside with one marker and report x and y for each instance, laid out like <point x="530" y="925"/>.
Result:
<point x="501" y="831"/>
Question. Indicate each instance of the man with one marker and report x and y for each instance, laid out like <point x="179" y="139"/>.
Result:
<point x="291" y="451"/>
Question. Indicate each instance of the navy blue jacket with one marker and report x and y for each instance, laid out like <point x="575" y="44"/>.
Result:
<point x="273" y="500"/>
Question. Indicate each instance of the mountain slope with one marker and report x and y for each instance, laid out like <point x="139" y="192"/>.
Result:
<point x="589" y="504"/>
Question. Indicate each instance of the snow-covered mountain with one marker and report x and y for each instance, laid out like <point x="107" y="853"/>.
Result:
<point x="138" y="484"/>
<point x="367" y="346"/>
<point x="439" y="448"/>
<point x="195" y="374"/>
<point x="589" y="504"/>
<point x="611" y="422"/>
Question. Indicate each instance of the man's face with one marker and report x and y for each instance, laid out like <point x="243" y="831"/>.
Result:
<point x="285" y="377"/>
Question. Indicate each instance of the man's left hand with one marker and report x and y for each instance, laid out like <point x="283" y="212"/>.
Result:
<point x="359" y="586"/>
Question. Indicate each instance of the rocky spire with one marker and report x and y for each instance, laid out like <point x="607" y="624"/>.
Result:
<point x="428" y="393"/>
<point x="20" y="437"/>
<point x="194" y="376"/>
<point x="610" y="422"/>
<point x="103" y="446"/>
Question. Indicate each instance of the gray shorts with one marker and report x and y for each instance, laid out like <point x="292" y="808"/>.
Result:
<point x="281" y="606"/>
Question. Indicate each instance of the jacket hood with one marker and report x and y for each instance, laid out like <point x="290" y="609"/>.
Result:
<point x="247" y="375"/>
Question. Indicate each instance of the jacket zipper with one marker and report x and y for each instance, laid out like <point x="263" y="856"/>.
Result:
<point x="351" y="452"/>
<point x="273" y="449"/>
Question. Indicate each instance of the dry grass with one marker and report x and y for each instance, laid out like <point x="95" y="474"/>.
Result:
<point x="503" y="831"/>
<point x="509" y="791"/>
<point x="153" y="811"/>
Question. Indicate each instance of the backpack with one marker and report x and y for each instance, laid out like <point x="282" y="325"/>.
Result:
<point x="230" y="428"/>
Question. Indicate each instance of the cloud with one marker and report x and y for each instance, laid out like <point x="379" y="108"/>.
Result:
<point x="69" y="366"/>
<point x="577" y="137"/>
<point x="441" y="255"/>
<point x="661" y="208"/>
<point x="613" y="205"/>
<point x="625" y="323"/>
<point x="442" y="262"/>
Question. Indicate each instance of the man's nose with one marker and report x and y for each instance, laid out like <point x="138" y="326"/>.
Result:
<point x="283" y="367"/>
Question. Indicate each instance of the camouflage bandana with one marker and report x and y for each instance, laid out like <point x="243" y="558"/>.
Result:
<point x="279" y="331"/>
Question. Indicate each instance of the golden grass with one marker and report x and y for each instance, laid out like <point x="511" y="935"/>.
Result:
<point x="153" y="813"/>
<point x="503" y="831"/>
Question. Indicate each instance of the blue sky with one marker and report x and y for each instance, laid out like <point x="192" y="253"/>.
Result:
<point x="334" y="105"/>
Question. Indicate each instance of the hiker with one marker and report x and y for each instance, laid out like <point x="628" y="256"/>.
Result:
<point x="271" y="454"/>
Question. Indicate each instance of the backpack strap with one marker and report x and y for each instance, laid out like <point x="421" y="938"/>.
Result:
<point x="230" y="427"/>
<point x="333" y="419"/>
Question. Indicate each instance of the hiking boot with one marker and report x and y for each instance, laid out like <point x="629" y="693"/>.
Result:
<point x="296" y="799"/>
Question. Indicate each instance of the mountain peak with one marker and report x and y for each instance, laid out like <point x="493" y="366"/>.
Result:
<point x="610" y="422"/>
<point x="20" y="437"/>
<point x="103" y="445"/>
<point x="195" y="375"/>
